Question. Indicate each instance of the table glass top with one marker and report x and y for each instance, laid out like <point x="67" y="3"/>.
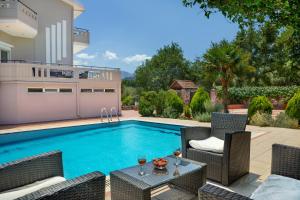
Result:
<point x="154" y="177"/>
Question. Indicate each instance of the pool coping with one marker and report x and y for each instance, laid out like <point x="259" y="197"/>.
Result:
<point x="27" y="135"/>
<point x="6" y="132"/>
<point x="256" y="131"/>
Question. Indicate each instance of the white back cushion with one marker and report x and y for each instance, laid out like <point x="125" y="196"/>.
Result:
<point x="212" y="144"/>
<point x="27" y="189"/>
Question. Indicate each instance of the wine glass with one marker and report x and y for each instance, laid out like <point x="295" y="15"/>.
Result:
<point x="142" y="161"/>
<point x="177" y="153"/>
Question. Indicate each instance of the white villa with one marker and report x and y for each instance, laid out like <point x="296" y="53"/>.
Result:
<point x="38" y="81"/>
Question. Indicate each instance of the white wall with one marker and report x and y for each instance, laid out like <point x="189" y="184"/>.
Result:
<point x="19" y="106"/>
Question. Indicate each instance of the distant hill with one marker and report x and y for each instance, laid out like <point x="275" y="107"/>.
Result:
<point x="126" y="75"/>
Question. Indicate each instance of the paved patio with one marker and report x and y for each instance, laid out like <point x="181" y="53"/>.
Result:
<point x="261" y="144"/>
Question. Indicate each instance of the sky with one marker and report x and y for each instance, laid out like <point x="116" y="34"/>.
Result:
<point x="123" y="33"/>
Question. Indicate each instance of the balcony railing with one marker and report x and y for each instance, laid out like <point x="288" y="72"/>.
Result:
<point x="16" y="9"/>
<point x="18" y="70"/>
<point x="81" y="35"/>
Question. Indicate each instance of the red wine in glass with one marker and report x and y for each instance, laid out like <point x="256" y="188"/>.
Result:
<point x="142" y="161"/>
<point x="177" y="153"/>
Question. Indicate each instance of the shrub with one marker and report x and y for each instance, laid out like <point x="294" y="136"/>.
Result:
<point x="197" y="103"/>
<point x="173" y="105"/>
<point x="240" y="94"/>
<point x="284" y="121"/>
<point x="146" y="103"/>
<point x="187" y="111"/>
<point x="203" y="117"/>
<point x="160" y="102"/>
<point x="128" y="101"/>
<point x="170" y="113"/>
<point x="293" y="107"/>
<point x="261" y="119"/>
<point x="260" y="104"/>
<point x="210" y="107"/>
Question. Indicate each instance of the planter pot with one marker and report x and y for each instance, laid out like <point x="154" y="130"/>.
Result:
<point x="236" y="106"/>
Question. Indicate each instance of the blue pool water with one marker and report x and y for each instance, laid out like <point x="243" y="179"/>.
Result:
<point x="102" y="147"/>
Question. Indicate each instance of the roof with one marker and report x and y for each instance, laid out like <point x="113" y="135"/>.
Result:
<point x="183" y="84"/>
<point x="77" y="6"/>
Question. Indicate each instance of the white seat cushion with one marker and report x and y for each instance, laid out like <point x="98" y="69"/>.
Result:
<point x="277" y="187"/>
<point x="212" y="144"/>
<point x="27" y="189"/>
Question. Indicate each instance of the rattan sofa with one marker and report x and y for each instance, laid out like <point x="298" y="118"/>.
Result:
<point x="36" y="168"/>
<point x="234" y="162"/>
<point x="285" y="162"/>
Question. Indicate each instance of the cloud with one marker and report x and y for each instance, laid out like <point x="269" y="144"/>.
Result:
<point x="86" y="56"/>
<point x="110" y="55"/>
<point x="136" y="58"/>
<point x="80" y="62"/>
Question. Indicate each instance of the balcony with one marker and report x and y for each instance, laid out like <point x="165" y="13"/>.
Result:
<point x="18" y="19"/>
<point x="22" y="71"/>
<point x="81" y="39"/>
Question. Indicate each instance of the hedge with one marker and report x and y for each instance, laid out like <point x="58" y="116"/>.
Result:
<point x="239" y="94"/>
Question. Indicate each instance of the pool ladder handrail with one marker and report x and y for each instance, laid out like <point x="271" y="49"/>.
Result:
<point x="101" y="114"/>
<point x="116" y="113"/>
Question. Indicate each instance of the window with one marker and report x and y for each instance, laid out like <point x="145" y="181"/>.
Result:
<point x="33" y="71"/>
<point x="86" y="90"/>
<point x="45" y="72"/>
<point x="109" y="90"/>
<point x="83" y="75"/>
<point x="98" y="90"/>
<point x="5" y="52"/>
<point x="61" y="73"/>
<point x="50" y="90"/>
<point x="65" y="90"/>
<point x="4" y="56"/>
<point x="35" y="90"/>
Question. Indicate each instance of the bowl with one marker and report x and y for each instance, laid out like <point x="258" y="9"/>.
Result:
<point x="160" y="163"/>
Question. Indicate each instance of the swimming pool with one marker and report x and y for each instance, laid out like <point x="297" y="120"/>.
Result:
<point x="101" y="147"/>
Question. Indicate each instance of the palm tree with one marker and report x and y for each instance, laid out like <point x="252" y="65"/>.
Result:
<point x="226" y="64"/>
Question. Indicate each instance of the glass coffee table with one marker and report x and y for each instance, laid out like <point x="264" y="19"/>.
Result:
<point x="127" y="184"/>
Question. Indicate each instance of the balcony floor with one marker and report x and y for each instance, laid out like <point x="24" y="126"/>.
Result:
<point x="261" y="144"/>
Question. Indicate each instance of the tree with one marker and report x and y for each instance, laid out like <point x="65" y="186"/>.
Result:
<point x="269" y="48"/>
<point x="226" y="63"/>
<point x="159" y="72"/>
<point x="280" y="13"/>
<point x="198" y="75"/>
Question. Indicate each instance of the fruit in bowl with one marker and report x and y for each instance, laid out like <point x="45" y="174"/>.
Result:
<point x="160" y="163"/>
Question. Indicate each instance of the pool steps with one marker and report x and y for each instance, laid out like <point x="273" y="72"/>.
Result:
<point x="109" y="115"/>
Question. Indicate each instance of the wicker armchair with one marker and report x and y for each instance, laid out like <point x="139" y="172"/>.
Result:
<point x="285" y="162"/>
<point x="29" y="170"/>
<point x="235" y="160"/>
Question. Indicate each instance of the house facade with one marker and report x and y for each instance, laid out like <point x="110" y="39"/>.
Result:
<point x="38" y="81"/>
<point x="185" y="89"/>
